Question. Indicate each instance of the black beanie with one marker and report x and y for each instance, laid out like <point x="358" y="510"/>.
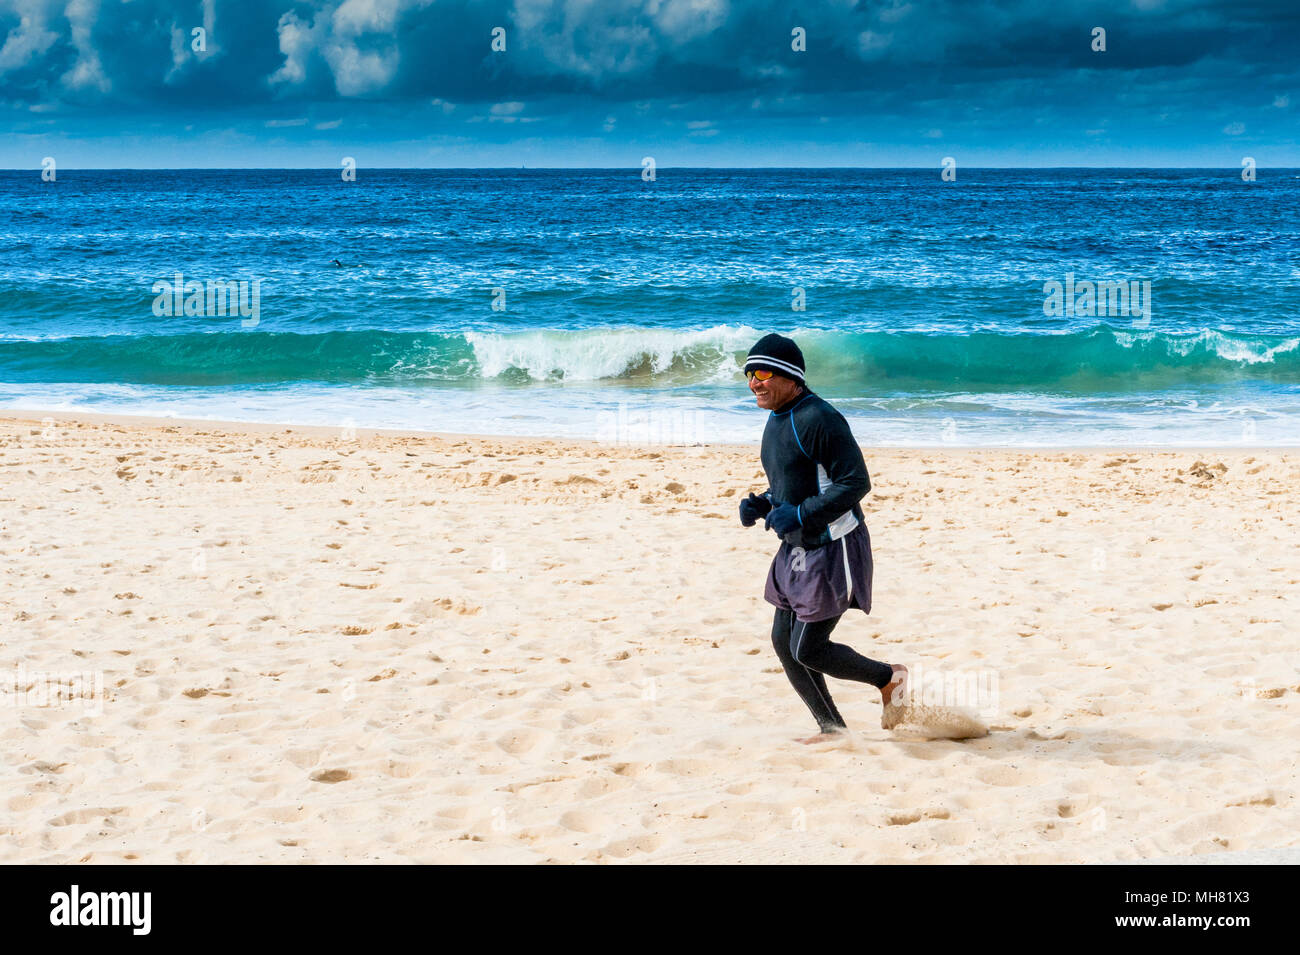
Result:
<point x="778" y="354"/>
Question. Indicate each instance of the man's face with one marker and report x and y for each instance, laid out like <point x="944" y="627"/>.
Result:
<point x="774" y="392"/>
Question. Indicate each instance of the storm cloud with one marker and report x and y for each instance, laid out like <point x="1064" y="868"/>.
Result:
<point x="1175" y="68"/>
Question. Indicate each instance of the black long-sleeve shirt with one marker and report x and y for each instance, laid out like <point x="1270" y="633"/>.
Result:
<point x="813" y="461"/>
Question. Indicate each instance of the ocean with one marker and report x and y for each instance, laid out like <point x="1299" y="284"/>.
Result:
<point x="1010" y="307"/>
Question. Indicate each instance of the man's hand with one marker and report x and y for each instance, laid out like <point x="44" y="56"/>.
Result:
<point x="782" y="519"/>
<point x="752" y="508"/>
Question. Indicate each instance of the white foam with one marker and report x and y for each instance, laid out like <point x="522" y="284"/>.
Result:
<point x="604" y="353"/>
<point x="690" y="415"/>
<point x="1224" y="346"/>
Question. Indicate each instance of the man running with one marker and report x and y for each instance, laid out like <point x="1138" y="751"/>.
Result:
<point x="816" y="478"/>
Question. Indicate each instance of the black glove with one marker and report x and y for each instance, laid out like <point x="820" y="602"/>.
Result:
<point x="752" y="508"/>
<point x="783" y="520"/>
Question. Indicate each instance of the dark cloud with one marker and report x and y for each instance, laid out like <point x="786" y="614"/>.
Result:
<point x="124" y="55"/>
<point x="1012" y="73"/>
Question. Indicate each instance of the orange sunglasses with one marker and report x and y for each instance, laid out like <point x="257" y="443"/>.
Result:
<point x="761" y="374"/>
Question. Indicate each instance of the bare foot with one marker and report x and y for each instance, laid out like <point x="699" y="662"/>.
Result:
<point x="824" y="737"/>
<point x="893" y="695"/>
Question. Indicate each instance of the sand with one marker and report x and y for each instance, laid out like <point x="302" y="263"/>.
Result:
<point x="303" y="645"/>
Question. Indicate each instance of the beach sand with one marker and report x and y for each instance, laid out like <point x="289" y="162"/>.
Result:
<point x="302" y="645"/>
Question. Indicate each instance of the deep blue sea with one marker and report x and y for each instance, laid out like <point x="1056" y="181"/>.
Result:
<point x="1009" y="307"/>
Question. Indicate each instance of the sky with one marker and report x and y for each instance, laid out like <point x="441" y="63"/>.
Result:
<point x="599" y="83"/>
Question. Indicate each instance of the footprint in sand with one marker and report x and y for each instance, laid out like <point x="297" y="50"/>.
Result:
<point x="80" y="816"/>
<point x="285" y="814"/>
<point x="630" y="770"/>
<point x="330" y="776"/>
<point x="1007" y="776"/>
<point x="626" y="847"/>
<point x="601" y="786"/>
<point x="916" y="815"/>
<point x="584" y="821"/>
<point x="520" y="741"/>
<point x="685" y="767"/>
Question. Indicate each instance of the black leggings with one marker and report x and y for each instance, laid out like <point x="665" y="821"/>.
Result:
<point x="806" y="652"/>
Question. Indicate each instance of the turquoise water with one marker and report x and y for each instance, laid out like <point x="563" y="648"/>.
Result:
<point x="590" y="303"/>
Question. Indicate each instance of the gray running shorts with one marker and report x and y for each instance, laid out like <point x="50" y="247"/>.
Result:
<point x="825" y="582"/>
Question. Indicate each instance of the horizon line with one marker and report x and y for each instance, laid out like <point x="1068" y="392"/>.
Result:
<point x="630" y="168"/>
